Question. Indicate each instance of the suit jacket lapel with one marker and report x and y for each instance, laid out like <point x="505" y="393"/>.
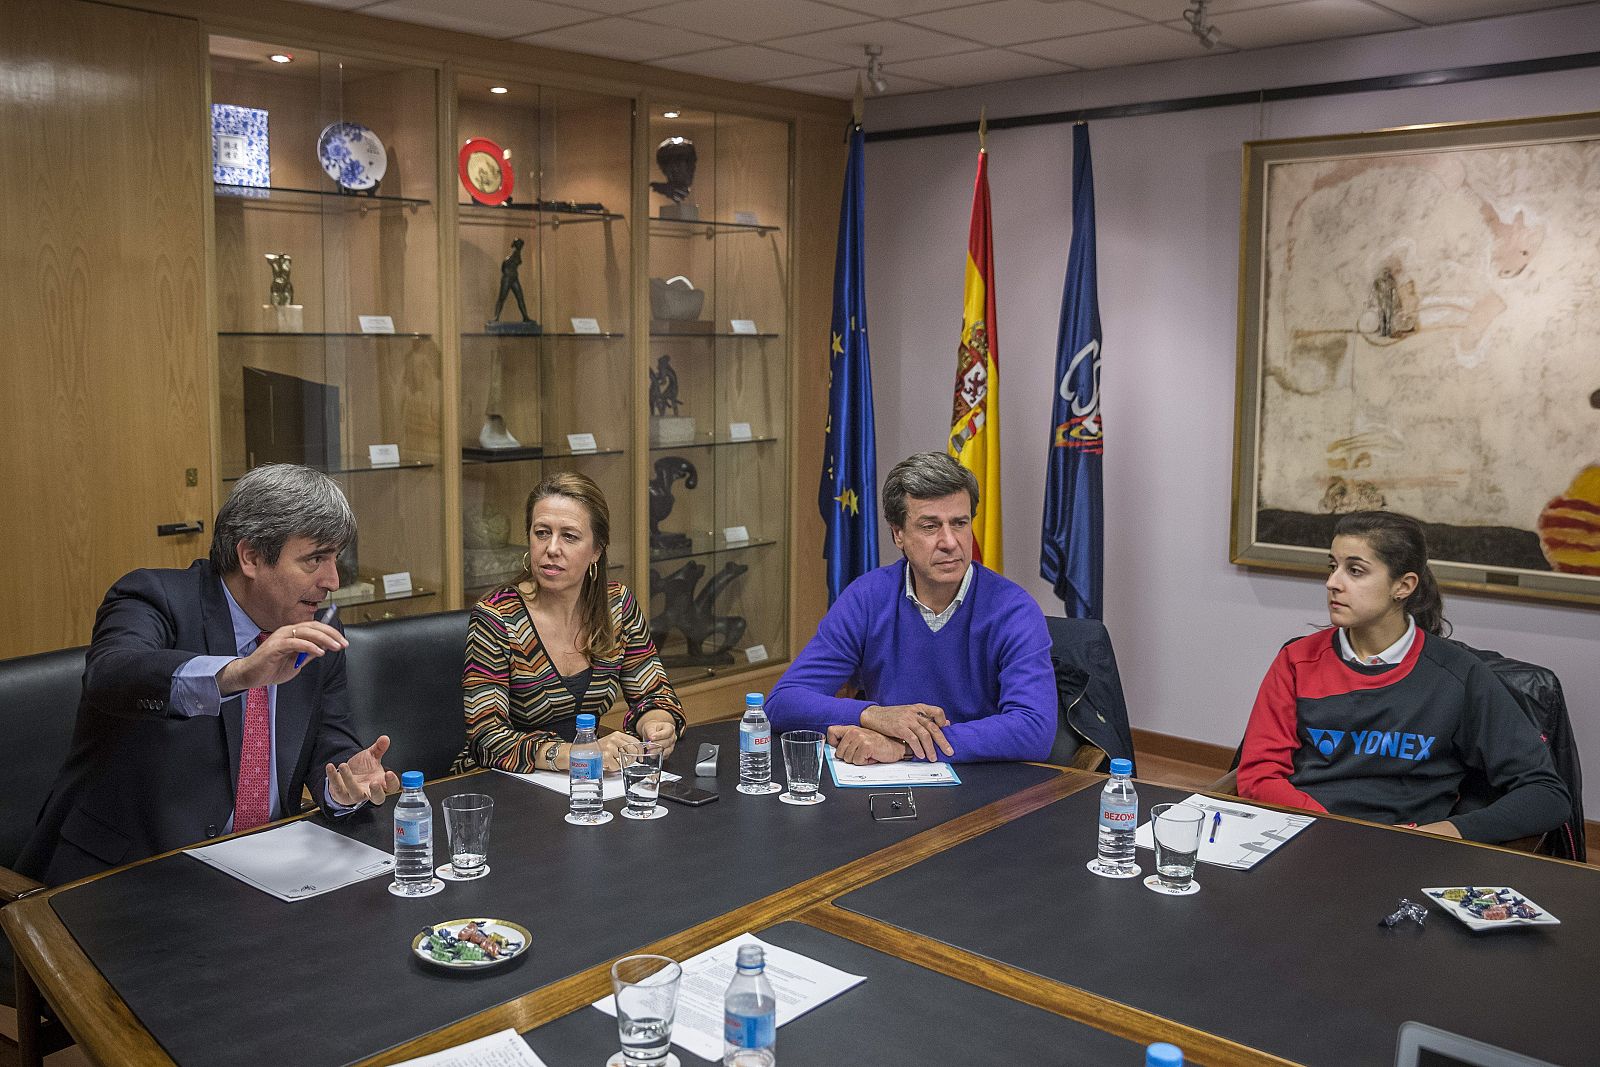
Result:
<point x="291" y="724"/>
<point x="220" y="641"/>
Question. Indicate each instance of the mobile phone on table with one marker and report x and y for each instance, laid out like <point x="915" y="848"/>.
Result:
<point x="682" y="793"/>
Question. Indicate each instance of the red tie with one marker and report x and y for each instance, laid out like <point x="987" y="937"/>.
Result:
<point x="252" y="801"/>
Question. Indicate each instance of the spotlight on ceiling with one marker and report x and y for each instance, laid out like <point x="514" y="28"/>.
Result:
<point x="1200" y="25"/>
<point x="670" y="113"/>
<point x="499" y="90"/>
<point x="281" y="57"/>
<point x="875" y="77"/>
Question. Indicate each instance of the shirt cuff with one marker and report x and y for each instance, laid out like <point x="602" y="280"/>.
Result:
<point x="194" y="686"/>
<point x="333" y="807"/>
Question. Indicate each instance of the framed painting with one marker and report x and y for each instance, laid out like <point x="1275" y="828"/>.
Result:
<point x="1419" y="331"/>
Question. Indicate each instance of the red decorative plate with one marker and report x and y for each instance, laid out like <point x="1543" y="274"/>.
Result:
<point x="485" y="174"/>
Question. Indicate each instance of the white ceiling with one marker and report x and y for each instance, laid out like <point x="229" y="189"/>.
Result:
<point x="817" y="46"/>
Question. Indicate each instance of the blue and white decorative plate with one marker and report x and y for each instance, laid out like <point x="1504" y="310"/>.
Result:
<point x="352" y="155"/>
<point x="239" y="155"/>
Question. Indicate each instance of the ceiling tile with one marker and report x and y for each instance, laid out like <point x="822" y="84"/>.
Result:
<point x="842" y="84"/>
<point x="900" y="41"/>
<point x="346" y="5"/>
<point x="620" y="38"/>
<point x="745" y="20"/>
<point x="747" y="63"/>
<point x="614" y="7"/>
<point x="1003" y="22"/>
<point x="486" y="18"/>
<point x="975" y="68"/>
<point x="1120" y="48"/>
<point x="894" y="9"/>
<point x="1441" y="11"/>
<point x="1309" y="20"/>
<point x="1171" y="10"/>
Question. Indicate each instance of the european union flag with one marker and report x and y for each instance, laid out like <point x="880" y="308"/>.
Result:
<point x="1072" y="553"/>
<point x="848" y="495"/>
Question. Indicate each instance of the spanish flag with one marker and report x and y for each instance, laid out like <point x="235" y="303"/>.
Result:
<point x="975" y="422"/>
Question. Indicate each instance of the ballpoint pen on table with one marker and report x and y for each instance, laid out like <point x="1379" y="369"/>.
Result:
<point x="1216" y="821"/>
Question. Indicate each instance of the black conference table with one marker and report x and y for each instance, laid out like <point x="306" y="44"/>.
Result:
<point x="983" y="937"/>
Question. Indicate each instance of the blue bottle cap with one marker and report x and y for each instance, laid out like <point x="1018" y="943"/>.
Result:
<point x="754" y="700"/>
<point x="586" y="721"/>
<point x="1122" y="766"/>
<point x="1162" y="1054"/>
<point x="411" y="780"/>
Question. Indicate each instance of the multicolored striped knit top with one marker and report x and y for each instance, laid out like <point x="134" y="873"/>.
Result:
<point x="515" y="699"/>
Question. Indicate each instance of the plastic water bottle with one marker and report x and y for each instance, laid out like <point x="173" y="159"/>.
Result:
<point x="755" y="747"/>
<point x="584" y="768"/>
<point x="1119" y="815"/>
<point x="1162" y="1054"/>
<point x="750" y="1014"/>
<point x="413" y="837"/>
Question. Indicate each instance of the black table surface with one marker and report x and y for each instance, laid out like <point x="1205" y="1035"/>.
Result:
<point x="1288" y="958"/>
<point x="221" y="973"/>
<point x="902" y="1014"/>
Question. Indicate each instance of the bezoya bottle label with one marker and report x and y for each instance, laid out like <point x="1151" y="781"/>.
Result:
<point x="585" y="767"/>
<point x="748" y="1031"/>
<point x="751" y="741"/>
<point x="413" y="831"/>
<point x="1118" y="816"/>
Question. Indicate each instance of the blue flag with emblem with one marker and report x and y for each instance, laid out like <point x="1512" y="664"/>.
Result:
<point x="1072" y="552"/>
<point x="848" y="495"/>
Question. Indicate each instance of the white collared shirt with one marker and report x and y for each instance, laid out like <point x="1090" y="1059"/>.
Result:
<point x="1391" y="655"/>
<point x="937" y="619"/>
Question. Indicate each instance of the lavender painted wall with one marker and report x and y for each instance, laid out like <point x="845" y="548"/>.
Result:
<point x="1194" y="634"/>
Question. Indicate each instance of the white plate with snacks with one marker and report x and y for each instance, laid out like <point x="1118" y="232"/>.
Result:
<point x="352" y="155"/>
<point x="1490" y="907"/>
<point x="470" y="944"/>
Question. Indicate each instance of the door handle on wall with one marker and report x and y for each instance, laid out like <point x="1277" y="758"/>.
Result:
<point x="178" y="529"/>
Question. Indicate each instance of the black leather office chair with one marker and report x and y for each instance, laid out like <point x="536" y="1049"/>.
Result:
<point x="38" y="708"/>
<point x="1092" y="718"/>
<point x="404" y="678"/>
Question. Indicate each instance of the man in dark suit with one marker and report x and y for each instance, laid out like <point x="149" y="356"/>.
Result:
<point x="212" y="695"/>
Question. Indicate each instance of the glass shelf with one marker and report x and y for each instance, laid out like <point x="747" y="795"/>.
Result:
<point x="292" y="335"/>
<point x="707" y="544"/>
<point x="477" y="456"/>
<point x="377" y="596"/>
<point x="363" y="468"/>
<point x="563" y="335"/>
<point x="247" y="193"/>
<point x="474" y="592"/>
<point x="704" y="336"/>
<point x="706" y="441"/>
<point x="565" y="214"/>
<point x="684" y="227"/>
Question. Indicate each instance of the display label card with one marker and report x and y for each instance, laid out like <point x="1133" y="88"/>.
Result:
<point x="376" y="323"/>
<point x="756" y="654"/>
<point x="384" y="455"/>
<point x="585" y="325"/>
<point x="744" y="325"/>
<point x="397" y="583"/>
<point x="581" y="442"/>
<point x="735" y="534"/>
<point x="746" y="218"/>
<point x="739" y="431"/>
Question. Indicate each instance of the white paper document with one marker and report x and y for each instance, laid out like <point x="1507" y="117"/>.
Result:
<point x="1243" y="836"/>
<point x="894" y="775"/>
<point x="504" y="1049"/>
<point x="296" y="861"/>
<point x="559" y="782"/>
<point x="798" y="982"/>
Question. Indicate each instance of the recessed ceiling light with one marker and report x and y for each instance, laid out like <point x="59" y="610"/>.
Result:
<point x="281" y="57"/>
<point x="669" y="114"/>
<point x="498" y="90"/>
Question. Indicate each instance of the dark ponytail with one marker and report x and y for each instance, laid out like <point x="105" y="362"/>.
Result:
<point x="1400" y="545"/>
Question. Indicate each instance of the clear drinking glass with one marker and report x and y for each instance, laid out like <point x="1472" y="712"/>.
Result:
<point x="466" y="820"/>
<point x="1176" y="829"/>
<point x="802" y="766"/>
<point x="641" y="778"/>
<point x="646" y="988"/>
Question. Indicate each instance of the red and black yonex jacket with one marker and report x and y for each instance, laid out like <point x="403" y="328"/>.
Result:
<point x="1390" y="743"/>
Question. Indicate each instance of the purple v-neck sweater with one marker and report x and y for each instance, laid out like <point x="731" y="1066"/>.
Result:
<point x="988" y="667"/>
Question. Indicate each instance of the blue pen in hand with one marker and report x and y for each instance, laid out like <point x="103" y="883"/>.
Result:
<point x="1216" y="821"/>
<point x="324" y="616"/>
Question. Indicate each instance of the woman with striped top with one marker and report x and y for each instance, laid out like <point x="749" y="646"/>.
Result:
<point x="559" y="640"/>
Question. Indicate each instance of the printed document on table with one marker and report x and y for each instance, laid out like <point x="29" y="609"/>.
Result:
<point x="504" y="1049"/>
<point x="1245" y="836"/>
<point x="799" y="983"/>
<point x="296" y="861"/>
<point x="893" y="775"/>
<point x="558" y="782"/>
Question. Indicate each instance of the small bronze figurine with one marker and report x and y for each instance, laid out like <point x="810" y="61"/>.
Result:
<point x="694" y="614"/>
<point x="282" y="292"/>
<point x="511" y="285"/>
<point x="676" y="157"/>
<point x="664" y="388"/>
<point x="668" y="469"/>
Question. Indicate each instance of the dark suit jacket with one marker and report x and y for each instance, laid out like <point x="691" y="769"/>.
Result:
<point x="140" y="779"/>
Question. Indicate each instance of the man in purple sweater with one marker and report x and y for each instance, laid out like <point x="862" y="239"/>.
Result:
<point x="953" y="659"/>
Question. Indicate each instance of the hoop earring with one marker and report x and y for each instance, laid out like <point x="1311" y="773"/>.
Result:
<point x="594" y="570"/>
<point x="527" y="563"/>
